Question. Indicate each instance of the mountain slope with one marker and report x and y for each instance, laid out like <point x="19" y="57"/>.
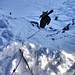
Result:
<point x="54" y="50"/>
<point x="19" y="29"/>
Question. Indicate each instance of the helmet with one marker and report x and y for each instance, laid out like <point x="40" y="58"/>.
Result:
<point x="42" y="12"/>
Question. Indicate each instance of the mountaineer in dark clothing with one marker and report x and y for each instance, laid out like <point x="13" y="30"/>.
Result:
<point x="45" y="19"/>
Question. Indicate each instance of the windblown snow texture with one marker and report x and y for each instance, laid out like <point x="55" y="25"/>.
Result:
<point x="51" y="51"/>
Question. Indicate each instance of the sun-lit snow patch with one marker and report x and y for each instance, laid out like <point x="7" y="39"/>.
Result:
<point x="15" y="43"/>
<point x="32" y="45"/>
<point x="31" y="63"/>
<point x="61" y="69"/>
<point x="47" y="51"/>
<point x="26" y="53"/>
<point x="44" y="61"/>
<point x="68" y="55"/>
<point x="52" y="73"/>
<point x="68" y="62"/>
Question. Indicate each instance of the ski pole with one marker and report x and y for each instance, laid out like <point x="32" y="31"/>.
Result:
<point x="17" y="66"/>
<point x="26" y="62"/>
<point x="33" y="34"/>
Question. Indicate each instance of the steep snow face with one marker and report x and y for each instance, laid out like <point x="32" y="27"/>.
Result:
<point x="40" y="60"/>
<point x="19" y="29"/>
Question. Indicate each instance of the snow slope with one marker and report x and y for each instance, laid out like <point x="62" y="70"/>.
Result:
<point x="19" y="29"/>
<point x="58" y="58"/>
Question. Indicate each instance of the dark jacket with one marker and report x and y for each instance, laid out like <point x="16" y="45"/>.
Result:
<point x="45" y="19"/>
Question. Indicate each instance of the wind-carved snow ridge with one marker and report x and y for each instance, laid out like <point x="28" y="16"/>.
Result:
<point x="41" y="60"/>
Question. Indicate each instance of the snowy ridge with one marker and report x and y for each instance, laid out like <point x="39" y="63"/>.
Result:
<point x="40" y="59"/>
<point x="49" y="52"/>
